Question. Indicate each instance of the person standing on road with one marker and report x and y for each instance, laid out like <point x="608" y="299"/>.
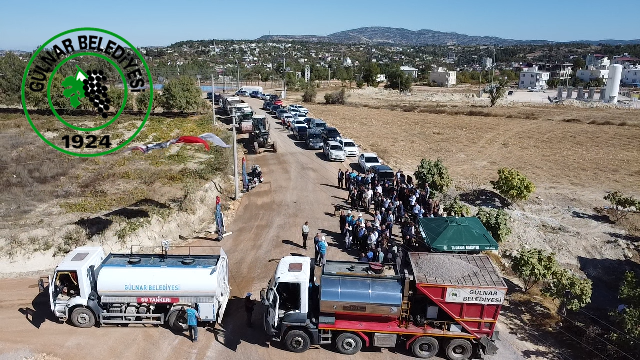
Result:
<point x="192" y="323"/>
<point x="248" y="308"/>
<point x="316" y="241"/>
<point x="340" y="178"/>
<point x="322" y="249"/>
<point x="305" y="234"/>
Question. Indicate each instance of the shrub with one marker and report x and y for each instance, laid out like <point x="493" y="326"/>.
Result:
<point x="456" y="208"/>
<point x="336" y="97"/>
<point x="572" y="290"/>
<point x="309" y="95"/>
<point x="629" y="318"/>
<point x="434" y="174"/>
<point x="496" y="222"/>
<point x="622" y="204"/>
<point x="513" y="185"/>
<point x="533" y="266"/>
<point x="71" y="239"/>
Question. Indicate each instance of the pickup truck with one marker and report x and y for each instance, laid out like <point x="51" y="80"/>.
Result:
<point x="300" y="132"/>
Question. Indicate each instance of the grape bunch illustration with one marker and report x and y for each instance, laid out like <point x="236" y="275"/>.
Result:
<point x="96" y="92"/>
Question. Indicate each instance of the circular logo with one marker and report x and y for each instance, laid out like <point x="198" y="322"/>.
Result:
<point x="86" y="78"/>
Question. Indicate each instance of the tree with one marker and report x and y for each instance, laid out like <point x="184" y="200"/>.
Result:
<point x="116" y="96"/>
<point x="629" y="317"/>
<point x="578" y="63"/>
<point x="622" y="204"/>
<point x="398" y="80"/>
<point x="370" y="72"/>
<point x="496" y="222"/>
<point x="513" y="185"/>
<point x="142" y="101"/>
<point x="309" y="95"/>
<point x="573" y="291"/>
<point x="181" y="94"/>
<point x="533" y="266"/>
<point x="496" y="91"/>
<point x="554" y="83"/>
<point x="434" y="174"/>
<point x="12" y="68"/>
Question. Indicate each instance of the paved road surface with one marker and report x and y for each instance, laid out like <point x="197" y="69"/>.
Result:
<point x="299" y="185"/>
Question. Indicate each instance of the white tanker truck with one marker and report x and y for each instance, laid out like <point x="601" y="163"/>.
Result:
<point x="88" y="287"/>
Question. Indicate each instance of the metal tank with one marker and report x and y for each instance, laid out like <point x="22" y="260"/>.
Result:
<point x="353" y="288"/>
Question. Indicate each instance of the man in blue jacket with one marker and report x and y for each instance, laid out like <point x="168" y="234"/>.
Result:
<point x="192" y="322"/>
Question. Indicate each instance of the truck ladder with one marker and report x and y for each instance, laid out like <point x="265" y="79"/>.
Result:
<point x="325" y="336"/>
<point x="404" y="313"/>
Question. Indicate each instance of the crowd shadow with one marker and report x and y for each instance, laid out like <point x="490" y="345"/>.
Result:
<point x="234" y="329"/>
<point x="291" y="243"/>
<point x="484" y="198"/>
<point x="627" y="237"/>
<point x="137" y="210"/>
<point x="40" y="310"/>
<point x="606" y="276"/>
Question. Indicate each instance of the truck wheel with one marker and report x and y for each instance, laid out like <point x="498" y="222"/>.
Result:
<point x="459" y="349"/>
<point x="178" y="320"/>
<point x="297" y="341"/>
<point x="425" y="347"/>
<point x="348" y="343"/>
<point x="83" y="318"/>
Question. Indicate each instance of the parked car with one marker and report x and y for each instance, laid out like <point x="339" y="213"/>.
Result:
<point x="383" y="172"/>
<point x="349" y="146"/>
<point x="265" y="96"/>
<point x="242" y="93"/>
<point x="317" y="124"/>
<point x="300" y="132"/>
<point x="299" y="108"/>
<point x="330" y="134"/>
<point x="280" y="113"/>
<point x="210" y="96"/>
<point x="366" y="160"/>
<point x="266" y="105"/>
<point x="277" y="101"/>
<point x="255" y="94"/>
<point x="273" y="109"/>
<point x="308" y="122"/>
<point x="296" y="122"/>
<point x="314" y="139"/>
<point x="333" y="151"/>
<point x="287" y="119"/>
<point x="293" y="111"/>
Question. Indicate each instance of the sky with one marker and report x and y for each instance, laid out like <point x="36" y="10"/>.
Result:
<point x="25" y="24"/>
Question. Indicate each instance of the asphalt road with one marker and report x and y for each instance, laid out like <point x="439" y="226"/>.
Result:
<point x="299" y="186"/>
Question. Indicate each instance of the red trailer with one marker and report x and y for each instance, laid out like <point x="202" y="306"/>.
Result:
<point x="432" y="303"/>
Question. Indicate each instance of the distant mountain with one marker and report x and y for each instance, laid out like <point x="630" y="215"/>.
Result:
<point x="398" y="36"/>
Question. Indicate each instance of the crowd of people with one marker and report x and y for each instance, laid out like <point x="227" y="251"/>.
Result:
<point x="393" y="203"/>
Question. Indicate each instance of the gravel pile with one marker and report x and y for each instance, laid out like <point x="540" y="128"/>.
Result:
<point x="442" y="269"/>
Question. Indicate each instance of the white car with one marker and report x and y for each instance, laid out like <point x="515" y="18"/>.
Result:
<point x="299" y="108"/>
<point x="367" y="160"/>
<point x="287" y="119"/>
<point x="333" y="151"/>
<point x="349" y="146"/>
<point x="296" y="122"/>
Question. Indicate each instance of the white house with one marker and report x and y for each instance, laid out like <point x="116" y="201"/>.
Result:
<point x="381" y="78"/>
<point x="413" y="72"/>
<point x="487" y="63"/>
<point x="533" y="78"/>
<point x="591" y="73"/>
<point x="631" y="76"/>
<point x="597" y="61"/>
<point x="442" y="77"/>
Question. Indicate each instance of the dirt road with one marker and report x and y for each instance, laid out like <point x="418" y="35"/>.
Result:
<point x="299" y="185"/>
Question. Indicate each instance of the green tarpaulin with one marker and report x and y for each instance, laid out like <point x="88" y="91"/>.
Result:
<point x="453" y="234"/>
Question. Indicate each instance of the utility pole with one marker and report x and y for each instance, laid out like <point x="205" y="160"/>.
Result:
<point x="238" y="78"/>
<point x="329" y="79"/>
<point x="284" y="76"/>
<point x="235" y="159"/>
<point x="213" y="99"/>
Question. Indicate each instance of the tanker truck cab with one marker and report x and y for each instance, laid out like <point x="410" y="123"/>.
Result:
<point x="72" y="288"/>
<point x="287" y="304"/>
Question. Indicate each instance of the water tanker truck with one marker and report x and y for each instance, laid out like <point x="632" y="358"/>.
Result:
<point x="90" y="288"/>
<point x="424" y="304"/>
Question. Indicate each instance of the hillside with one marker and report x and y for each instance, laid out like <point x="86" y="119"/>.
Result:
<point x="399" y="36"/>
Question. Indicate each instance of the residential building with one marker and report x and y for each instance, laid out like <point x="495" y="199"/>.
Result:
<point x="631" y="76"/>
<point x="597" y="61"/>
<point x="413" y="72"/>
<point x="487" y="63"/>
<point x="442" y="77"/>
<point x="591" y="73"/>
<point x="561" y="71"/>
<point x="533" y="78"/>
<point x="625" y="60"/>
<point x="381" y="78"/>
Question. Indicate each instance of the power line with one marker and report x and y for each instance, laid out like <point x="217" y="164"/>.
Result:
<point x="617" y="330"/>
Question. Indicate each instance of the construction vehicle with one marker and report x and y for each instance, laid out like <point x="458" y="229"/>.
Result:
<point x="423" y="304"/>
<point x="89" y="288"/>
<point x="259" y="138"/>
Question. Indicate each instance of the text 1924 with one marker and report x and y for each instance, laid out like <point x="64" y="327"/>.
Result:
<point x="89" y="141"/>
